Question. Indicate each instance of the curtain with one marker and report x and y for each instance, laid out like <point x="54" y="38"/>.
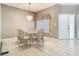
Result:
<point x="47" y="16"/>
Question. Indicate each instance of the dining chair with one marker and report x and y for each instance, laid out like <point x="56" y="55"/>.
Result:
<point x="27" y="38"/>
<point x="38" y="38"/>
<point x="20" y="36"/>
<point x="41" y="34"/>
<point x="23" y="37"/>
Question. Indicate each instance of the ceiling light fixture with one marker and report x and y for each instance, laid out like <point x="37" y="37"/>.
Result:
<point x="29" y="17"/>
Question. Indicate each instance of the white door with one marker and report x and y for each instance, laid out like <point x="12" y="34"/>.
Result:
<point x="66" y="26"/>
<point x="63" y="26"/>
<point x="72" y="26"/>
<point x="77" y="26"/>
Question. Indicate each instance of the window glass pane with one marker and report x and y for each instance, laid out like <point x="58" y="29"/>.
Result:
<point x="43" y="24"/>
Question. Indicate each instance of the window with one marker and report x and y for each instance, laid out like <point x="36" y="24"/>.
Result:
<point x="43" y="24"/>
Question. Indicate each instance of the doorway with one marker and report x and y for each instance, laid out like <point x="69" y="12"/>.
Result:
<point x="66" y="26"/>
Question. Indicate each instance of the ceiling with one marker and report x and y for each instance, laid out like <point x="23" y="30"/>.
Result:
<point x="34" y="7"/>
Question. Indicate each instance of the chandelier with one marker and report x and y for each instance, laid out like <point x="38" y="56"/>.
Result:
<point x="29" y="17"/>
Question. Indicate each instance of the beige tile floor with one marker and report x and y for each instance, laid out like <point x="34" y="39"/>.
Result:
<point x="52" y="47"/>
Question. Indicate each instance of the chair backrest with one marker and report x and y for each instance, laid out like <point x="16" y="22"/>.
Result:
<point x="40" y="38"/>
<point x="20" y="34"/>
<point x="25" y="34"/>
<point x="40" y="34"/>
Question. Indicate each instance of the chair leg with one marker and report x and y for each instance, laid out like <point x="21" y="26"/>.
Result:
<point x="30" y="42"/>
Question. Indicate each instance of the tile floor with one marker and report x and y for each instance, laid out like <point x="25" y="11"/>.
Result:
<point x="52" y="47"/>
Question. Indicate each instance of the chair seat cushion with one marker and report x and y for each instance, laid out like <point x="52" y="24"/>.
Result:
<point x="27" y="37"/>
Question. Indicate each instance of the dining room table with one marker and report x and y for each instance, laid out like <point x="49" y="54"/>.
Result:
<point x="32" y="36"/>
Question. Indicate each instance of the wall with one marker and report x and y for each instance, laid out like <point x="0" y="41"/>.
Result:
<point x="14" y="18"/>
<point x="0" y="21"/>
<point x="53" y="26"/>
<point x="67" y="9"/>
<point x="55" y="11"/>
<point x="0" y="28"/>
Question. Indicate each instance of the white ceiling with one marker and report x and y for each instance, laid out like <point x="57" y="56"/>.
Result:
<point x="34" y="7"/>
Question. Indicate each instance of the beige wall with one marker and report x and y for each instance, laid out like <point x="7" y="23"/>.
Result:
<point x="53" y="29"/>
<point x="0" y="21"/>
<point x="0" y="26"/>
<point x="14" y="18"/>
<point x="68" y="9"/>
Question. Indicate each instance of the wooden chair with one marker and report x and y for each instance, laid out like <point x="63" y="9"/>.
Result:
<point x="38" y="38"/>
<point x="23" y="37"/>
<point x="20" y="36"/>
